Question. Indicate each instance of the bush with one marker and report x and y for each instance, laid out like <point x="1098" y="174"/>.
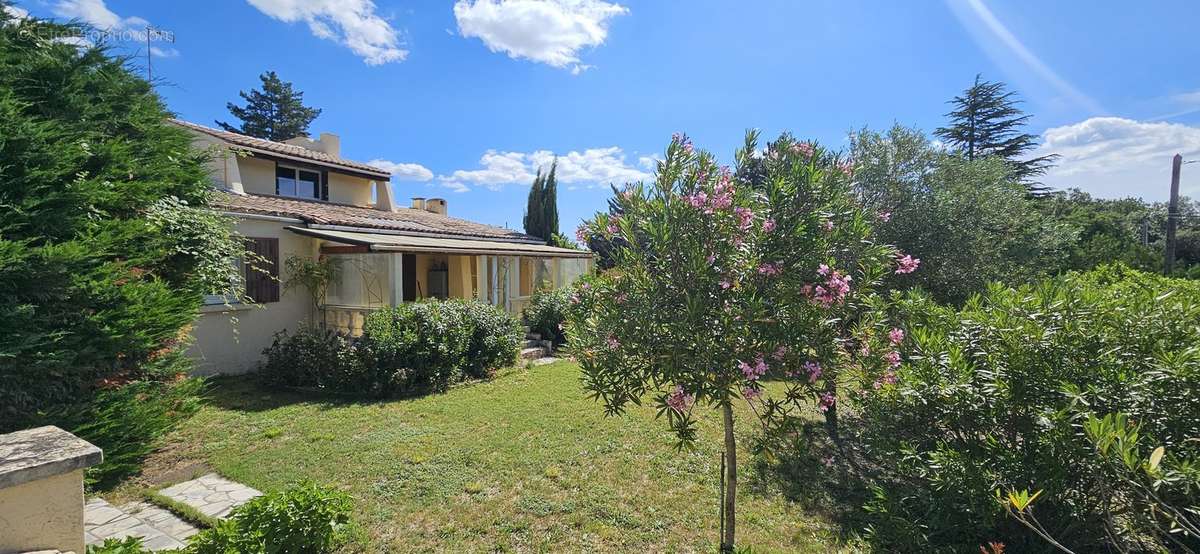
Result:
<point x="417" y="347"/>
<point x="546" y="312"/>
<point x="305" y="518"/>
<point x="128" y="545"/>
<point x="998" y="397"/>
<point x="106" y="245"/>
<point x="126" y="419"/>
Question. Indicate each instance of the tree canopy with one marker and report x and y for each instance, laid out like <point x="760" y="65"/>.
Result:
<point x="277" y="112"/>
<point x="986" y="121"/>
<point x="541" y="208"/>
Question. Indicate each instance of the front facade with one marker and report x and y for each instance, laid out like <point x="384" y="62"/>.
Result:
<point x="299" y="198"/>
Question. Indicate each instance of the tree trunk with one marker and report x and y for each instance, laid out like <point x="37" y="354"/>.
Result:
<point x="729" y="502"/>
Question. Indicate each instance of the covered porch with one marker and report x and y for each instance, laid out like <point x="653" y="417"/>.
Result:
<point x="376" y="270"/>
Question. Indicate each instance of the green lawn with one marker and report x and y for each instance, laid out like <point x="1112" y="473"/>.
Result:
<point x="524" y="462"/>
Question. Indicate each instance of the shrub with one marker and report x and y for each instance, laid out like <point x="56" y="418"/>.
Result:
<point x="128" y="545"/>
<point x="547" y="311"/>
<point x="127" y="419"/>
<point x="997" y="398"/>
<point x="304" y="518"/>
<point x="411" y="348"/>
<point x="105" y="244"/>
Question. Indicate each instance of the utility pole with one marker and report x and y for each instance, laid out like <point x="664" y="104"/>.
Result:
<point x="1172" y="216"/>
<point x="149" y="71"/>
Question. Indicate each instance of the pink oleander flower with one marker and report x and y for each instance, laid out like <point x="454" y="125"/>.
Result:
<point x="753" y="372"/>
<point x="751" y="394"/>
<point x="575" y="299"/>
<point x="827" y="461"/>
<point x="771" y="269"/>
<point x="812" y="370"/>
<point x="745" y="217"/>
<point x="835" y="288"/>
<point x="627" y="193"/>
<point x="885" y="216"/>
<point x="768" y="225"/>
<point x="697" y="199"/>
<point x="725" y="284"/>
<point x="893" y="358"/>
<point x="683" y="140"/>
<point x="827" y="225"/>
<point x="780" y="353"/>
<point x="622" y="298"/>
<point x="679" y="400"/>
<point x="896" y="336"/>
<point x="906" y="264"/>
<point x="827" y="401"/>
<point x="864" y="350"/>
<point x="711" y="258"/>
<point x="614" y="222"/>
<point x="803" y="148"/>
<point x="585" y="286"/>
<point x="581" y="234"/>
<point x="847" y="168"/>
<point x="613" y="343"/>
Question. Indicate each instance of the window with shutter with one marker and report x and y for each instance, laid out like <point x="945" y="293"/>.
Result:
<point x="262" y="269"/>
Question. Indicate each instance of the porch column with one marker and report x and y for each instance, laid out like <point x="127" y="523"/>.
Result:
<point x="397" y="271"/>
<point x="481" y="273"/>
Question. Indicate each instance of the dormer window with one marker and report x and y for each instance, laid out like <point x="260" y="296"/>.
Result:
<point x="300" y="183"/>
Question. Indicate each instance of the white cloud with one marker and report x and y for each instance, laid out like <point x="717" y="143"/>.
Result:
<point x="111" y="27"/>
<point x="96" y="14"/>
<point x="352" y="23"/>
<point x="650" y="163"/>
<point x="15" y="12"/>
<point x="551" y="32"/>
<point x="591" y="167"/>
<point x="404" y="171"/>
<point x="1118" y="157"/>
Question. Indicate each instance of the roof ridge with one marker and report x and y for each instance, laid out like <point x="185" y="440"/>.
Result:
<point x="280" y="148"/>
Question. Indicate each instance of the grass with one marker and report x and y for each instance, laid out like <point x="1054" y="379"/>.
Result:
<point x="185" y="512"/>
<point x="524" y="462"/>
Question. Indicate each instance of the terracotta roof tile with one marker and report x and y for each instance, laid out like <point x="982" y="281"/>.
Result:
<point x="330" y="213"/>
<point x="284" y="149"/>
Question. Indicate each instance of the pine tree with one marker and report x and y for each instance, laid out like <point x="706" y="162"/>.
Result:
<point x="534" y="213"/>
<point x="987" y="122"/>
<point x="277" y="112"/>
<point x="550" y="202"/>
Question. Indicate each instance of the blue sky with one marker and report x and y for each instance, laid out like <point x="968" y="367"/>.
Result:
<point x="464" y="99"/>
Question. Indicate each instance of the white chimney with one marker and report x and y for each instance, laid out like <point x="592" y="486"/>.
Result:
<point x="418" y="203"/>
<point x="330" y="143"/>
<point x="436" y="205"/>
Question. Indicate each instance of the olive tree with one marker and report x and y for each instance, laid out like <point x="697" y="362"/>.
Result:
<point x="729" y="278"/>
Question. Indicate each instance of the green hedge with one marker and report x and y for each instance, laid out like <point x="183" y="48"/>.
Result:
<point x="995" y="396"/>
<point x="412" y="348"/>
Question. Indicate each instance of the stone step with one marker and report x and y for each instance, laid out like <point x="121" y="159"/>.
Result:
<point x="532" y="336"/>
<point x="158" y="528"/>
<point x="533" y="353"/>
<point x="211" y="495"/>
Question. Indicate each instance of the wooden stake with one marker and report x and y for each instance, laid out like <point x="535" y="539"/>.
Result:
<point x="1172" y="216"/>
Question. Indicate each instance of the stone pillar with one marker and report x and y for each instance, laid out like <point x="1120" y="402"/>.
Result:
<point x="41" y="489"/>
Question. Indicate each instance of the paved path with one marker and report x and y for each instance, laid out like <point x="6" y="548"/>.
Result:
<point x="211" y="495"/>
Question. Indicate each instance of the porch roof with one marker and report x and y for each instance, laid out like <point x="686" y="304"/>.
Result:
<point x="405" y="243"/>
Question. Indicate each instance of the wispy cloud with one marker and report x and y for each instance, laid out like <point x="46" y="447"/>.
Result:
<point x="546" y="31"/>
<point x="974" y="12"/>
<point x="351" y="23"/>
<point x="592" y="167"/>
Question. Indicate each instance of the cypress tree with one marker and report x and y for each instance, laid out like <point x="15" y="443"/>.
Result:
<point x="550" y="203"/>
<point x="986" y="122"/>
<point x="277" y="112"/>
<point x="534" y="213"/>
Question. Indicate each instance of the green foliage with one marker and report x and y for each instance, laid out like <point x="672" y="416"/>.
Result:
<point x="128" y="545"/>
<point x="277" y="112"/>
<point x="1110" y="231"/>
<point x="304" y="518"/>
<point x="126" y="423"/>
<point x="541" y="209"/>
<point x="998" y="396"/>
<point x="986" y="122"/>
<point x="105" y="249"/>
<point x="412" y="348"/>
<point x="546" y="313"/>
<point x="314" y="276"/>
<point x="967" y="221"/>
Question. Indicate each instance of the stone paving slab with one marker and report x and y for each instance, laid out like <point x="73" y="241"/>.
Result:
<point x="211" y="494"/>
<point x="102" y="521"/>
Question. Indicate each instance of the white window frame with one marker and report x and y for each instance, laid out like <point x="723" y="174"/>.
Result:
<point x="296" y="178"/>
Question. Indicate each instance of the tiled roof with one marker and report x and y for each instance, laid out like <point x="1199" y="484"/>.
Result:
<point x="329" y="213"/>
<point x="284" y="149"/>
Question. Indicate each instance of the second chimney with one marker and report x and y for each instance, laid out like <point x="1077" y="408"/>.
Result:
<point x="436" y="205"/>
<point x="418" y="203"/>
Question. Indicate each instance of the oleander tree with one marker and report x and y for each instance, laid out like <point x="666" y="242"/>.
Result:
<point x="732" y="278"/>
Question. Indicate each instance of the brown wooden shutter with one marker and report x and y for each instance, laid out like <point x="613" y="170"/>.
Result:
<point x="262" y="282"/>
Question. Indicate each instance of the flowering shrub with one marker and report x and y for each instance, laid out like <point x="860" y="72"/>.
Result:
<point x="303" y="518"/>
<point x="1006" y="395"/>
<point x="725" y="279"/>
